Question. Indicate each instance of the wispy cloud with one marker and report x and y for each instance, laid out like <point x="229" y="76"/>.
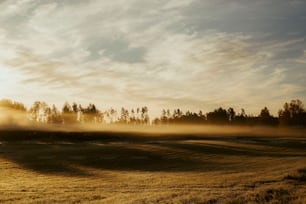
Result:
<point x="190" y="54"/>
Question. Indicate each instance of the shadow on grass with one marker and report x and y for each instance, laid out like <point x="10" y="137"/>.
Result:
<point x="67" y="158"/>
<point x="72" y="154"/>
<point x="225" y="150"/>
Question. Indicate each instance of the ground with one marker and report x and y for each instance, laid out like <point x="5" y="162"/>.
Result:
<point x="107" y="167"/>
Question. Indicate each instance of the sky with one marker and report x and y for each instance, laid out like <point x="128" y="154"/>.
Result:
<point x="188" y="54"/>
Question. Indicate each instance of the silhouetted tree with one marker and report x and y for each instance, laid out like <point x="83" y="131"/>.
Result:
<point x="218" y="116"/>
<point x="192" y="118"/>
<point x="265" y="113"/>
<point x="133" y="120"/>
<point x="164" y="118"/>
<point x="12" y="111"/>
<point x="202" y="116"/>
<point x="90" y="113"/>
<point x="266" y="119"/>
<point x="178" y="117"/>
<point x="75" y="108"/>
<point x="177" y="113"/>
<point x="293" y="114"/>
<point x="138" y="116"/>
<point x="55" y="115"/>
<point x="111" y="115"/>
<point x="145" y="115"/>
<point x="231" y="114"/>
<point x="240" y="118"/>
<point x="68" y="114"/>
<point x="124" y="116"/>
<point x="40" y="112"/>
<point x="13" y="105"/>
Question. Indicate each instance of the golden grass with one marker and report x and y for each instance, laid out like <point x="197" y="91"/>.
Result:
<point x="189" y="169"/>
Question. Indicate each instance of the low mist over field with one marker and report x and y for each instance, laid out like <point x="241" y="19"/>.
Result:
<point x="179" y="130"/>
<point x="12" y="117"/>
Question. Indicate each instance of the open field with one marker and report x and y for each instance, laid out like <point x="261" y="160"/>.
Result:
<point x="128" y="167"/>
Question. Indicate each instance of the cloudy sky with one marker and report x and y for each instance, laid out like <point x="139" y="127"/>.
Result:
<point x="192" y="54"/>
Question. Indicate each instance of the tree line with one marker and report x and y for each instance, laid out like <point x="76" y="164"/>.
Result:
<point x="292" y="114"/>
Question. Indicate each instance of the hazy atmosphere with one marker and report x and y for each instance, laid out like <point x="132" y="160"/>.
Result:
<point x="151" y="101"/>
<point x="191" y="54"/>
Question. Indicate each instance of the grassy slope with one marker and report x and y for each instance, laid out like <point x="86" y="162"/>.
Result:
<point x="109" y="167"/>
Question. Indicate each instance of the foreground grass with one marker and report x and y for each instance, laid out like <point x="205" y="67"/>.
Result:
<point x="108" y="167"/>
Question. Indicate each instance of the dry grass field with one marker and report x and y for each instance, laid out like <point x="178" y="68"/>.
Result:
<point x="127" y="167"/>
